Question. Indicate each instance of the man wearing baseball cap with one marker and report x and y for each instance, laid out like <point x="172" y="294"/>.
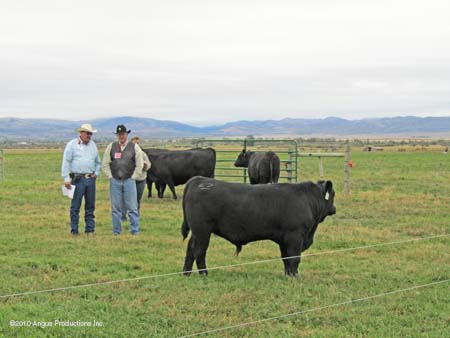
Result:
<point x="80" y="167"/>
<point x="122" y="164"/>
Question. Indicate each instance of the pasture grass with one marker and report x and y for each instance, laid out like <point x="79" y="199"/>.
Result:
<point x="394" y="196"/>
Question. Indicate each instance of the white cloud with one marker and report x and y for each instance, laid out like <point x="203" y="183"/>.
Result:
<point x="224" y="60"/>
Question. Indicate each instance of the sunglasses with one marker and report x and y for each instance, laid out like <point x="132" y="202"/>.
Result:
<point x="88" y="133"/>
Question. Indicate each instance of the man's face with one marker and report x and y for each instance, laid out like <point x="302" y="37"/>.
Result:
<point x="122" y="137"/>
<point x="85" y="136"/>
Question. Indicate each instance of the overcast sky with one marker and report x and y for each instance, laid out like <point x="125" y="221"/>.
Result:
<point x="211" y="61"/>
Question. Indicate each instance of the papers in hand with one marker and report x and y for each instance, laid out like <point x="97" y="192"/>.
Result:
<point x="68" y="192"/>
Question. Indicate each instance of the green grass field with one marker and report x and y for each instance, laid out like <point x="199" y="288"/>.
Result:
<point x="395" y="196"/>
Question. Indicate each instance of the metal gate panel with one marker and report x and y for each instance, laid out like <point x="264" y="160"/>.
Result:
<point x="288" y="165"/>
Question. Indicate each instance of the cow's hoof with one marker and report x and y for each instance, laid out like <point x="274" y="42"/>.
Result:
<point x="292" y="274"/>
<point x="203" y="273"/>
<point x="186" y="273"/>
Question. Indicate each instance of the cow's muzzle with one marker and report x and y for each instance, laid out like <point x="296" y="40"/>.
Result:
<point x="333" y="211"/>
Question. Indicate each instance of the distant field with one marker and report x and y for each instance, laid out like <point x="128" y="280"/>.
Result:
<point x="395" y="195"/>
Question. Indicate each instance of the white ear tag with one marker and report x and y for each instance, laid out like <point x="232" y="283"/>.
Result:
<point x="327" y="196"/>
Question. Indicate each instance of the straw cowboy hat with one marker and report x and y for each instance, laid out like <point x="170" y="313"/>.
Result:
<point x="86" y="127"/>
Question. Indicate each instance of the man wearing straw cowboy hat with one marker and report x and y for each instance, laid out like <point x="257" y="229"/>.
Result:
<point x="122" y="164"/>
<point x="80" y="167"/>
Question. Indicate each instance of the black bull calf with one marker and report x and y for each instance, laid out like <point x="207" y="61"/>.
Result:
<point x="287" y="214"/>
<point x="177" y="167"/>
<point x="263" y="166"/>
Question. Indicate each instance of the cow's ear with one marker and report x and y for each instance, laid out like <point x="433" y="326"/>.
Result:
<point x="328" y="188"/>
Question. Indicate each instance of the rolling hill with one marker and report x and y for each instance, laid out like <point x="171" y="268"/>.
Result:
<point x="53" y="129"/>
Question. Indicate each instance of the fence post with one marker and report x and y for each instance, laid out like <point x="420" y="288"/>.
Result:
<point x="321" y="168"/>
<point x="2" y="169"/>
<point x="347" y="168"/>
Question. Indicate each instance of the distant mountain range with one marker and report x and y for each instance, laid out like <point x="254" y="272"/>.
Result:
<point x="53" y="129"/>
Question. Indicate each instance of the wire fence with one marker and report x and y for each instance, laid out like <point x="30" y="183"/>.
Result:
<point x="72" y="287"/>
<point x="349" y="302"/>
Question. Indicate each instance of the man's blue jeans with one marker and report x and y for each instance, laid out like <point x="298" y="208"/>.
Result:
<point x="123" y="195"/>
<point x="140" y="186"/>
<point x="84" y="187"/>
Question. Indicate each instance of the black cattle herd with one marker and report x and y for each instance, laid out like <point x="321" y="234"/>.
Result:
<point x="285" y="213"/>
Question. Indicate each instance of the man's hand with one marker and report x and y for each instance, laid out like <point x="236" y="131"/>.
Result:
<point x="68" y="185"/>
<point x="94" y="175"/>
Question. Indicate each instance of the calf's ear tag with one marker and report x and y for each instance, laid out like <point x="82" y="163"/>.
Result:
<point x="327" y="196"/>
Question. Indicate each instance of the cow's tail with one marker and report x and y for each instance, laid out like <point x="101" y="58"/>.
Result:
<point x="185" y="226"/>
<point x="271" y="171"/>
<point x="185" y="229"/>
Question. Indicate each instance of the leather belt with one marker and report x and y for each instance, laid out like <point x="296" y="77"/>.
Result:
<point x="82" y="175"/>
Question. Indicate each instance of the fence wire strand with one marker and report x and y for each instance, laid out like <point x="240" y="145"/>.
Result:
<point x="315" y="309"/>
<point x="72" y="287"/>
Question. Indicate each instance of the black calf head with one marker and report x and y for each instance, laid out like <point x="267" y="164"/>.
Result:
<point x="243" y="159"/>
<point x="328" y="196"/>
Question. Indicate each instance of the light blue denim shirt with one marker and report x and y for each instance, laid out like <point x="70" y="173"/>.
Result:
<point x="80" y="158"/>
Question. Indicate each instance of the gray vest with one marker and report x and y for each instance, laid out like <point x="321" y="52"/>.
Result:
<point x="123" y="167"/>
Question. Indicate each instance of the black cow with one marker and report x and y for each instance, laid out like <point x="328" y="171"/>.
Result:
<point x="159" y="187"/>
<point x="177" y="167"/>
<point x="287" y="214"/>
<point x="263" y="166"/>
